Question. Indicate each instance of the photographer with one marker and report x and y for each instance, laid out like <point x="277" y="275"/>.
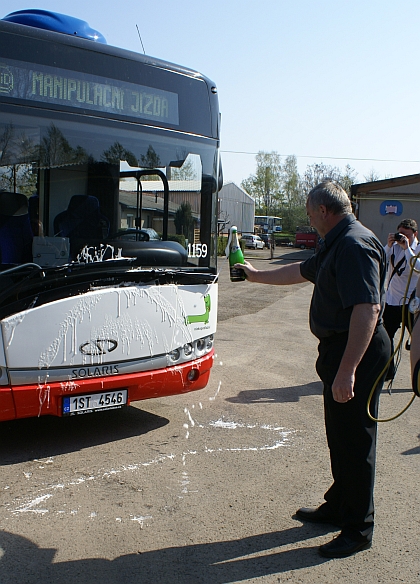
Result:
<point x="401" y="247"/>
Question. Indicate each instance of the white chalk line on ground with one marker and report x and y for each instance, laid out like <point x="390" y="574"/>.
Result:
<point x="32" y="504"/>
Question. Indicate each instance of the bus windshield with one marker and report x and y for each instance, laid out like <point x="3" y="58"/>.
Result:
<point x="58" y="163"/>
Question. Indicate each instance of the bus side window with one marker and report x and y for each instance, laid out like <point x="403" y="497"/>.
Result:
<point x="82" y="222"/>
<point x="15" y="229"/>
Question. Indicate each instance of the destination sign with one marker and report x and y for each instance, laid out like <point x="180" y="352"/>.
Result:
<point x="51" y="85"/>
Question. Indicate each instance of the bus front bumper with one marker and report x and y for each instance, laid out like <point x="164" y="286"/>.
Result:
<point x="26" y="401"/>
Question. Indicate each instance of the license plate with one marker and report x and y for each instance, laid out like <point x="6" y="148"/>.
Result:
<point x="88" y="403"/>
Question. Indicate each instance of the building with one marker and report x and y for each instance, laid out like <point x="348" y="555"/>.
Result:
<point x="382" y="204"/>
<point x="152" y="205"/>
<point x="235" y="207"/>
<point x="152" y="202"/>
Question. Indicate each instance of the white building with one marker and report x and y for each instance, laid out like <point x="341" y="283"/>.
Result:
<point x="235" y="207"/>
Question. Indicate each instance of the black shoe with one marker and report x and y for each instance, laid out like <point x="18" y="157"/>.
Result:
<point x="343" y="546"/>
<point x="317" y="515"/>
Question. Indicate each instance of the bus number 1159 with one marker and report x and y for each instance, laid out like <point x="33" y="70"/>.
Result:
<point x="197" y="250"/>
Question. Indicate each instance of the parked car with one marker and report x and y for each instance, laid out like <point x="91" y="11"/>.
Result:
<point x="133" y="234"/>
<point x="284" y="240"/>
<point x="266" y="237"/>
<point x="253" y="241"/>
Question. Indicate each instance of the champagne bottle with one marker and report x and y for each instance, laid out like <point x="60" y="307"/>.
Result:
<point x="235" y="256"/>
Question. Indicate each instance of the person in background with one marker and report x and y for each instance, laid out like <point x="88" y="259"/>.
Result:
<point x="348" y="272"/>
<point x="400" y="249"/>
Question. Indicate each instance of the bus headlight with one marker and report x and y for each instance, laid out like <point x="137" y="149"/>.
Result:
<point x="191" y="351"/>
<point x="204" y="345"/>
<point x="188" y="349"/>
<point x="175" y="355"/>
<point x="201" y="345"/>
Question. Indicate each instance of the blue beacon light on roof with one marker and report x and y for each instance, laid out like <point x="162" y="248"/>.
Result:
<point x="56" y="22"/>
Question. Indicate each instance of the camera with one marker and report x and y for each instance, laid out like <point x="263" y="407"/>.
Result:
<point x="398" y="236"/>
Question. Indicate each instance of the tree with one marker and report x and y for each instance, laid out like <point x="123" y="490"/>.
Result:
<point x="184" y="221"/>
<point x="278" y="189"/>
<point x="372" y="176"/>
<point x="291" y="188"/>
<point x="265" y="185"/>
<point x="56" y="150"/>
<point x="293" y="211"/>
<point x="18" y="178"/>
<point x="348" y="178"/>
<point x="185" y="172"/>
<point x="223" y="221"/>
<point x="6" y="145"/>
<point x="115" y="153"/>
<point x="316" y="173"/>
<point x="17" y="154"/>
<point x="151" y="159"/>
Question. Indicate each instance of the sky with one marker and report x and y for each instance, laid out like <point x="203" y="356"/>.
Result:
<point x="331" y="81"/>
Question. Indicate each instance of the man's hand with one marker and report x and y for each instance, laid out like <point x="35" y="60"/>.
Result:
<point x="403" y="242"/>
<point x="391" y="239"/>
<point x="342" y="387"/>
<point x="250" y="271"/>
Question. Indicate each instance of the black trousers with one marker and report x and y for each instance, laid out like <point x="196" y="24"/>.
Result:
<point x="392" y="322"/>
<point x="351" y="434"/>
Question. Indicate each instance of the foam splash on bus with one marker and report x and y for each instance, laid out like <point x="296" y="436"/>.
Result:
<point x="90" y="254"/>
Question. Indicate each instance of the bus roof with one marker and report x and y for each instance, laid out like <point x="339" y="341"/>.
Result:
<point x="77" y="41"/>
<point x="197" y="90"/>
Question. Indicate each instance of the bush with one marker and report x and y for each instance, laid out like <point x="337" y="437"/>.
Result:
<point x="179" y="238"/>
<point x="222" y="243"/>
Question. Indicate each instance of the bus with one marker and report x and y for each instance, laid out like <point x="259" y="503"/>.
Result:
<point x="92" y="320"/>
<point x="267" y="224"/>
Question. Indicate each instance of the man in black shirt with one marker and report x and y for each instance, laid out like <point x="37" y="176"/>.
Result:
<point x="346" y="309"/>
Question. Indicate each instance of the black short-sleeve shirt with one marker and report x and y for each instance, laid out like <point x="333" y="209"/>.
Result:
<point x="348" y="269"/>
